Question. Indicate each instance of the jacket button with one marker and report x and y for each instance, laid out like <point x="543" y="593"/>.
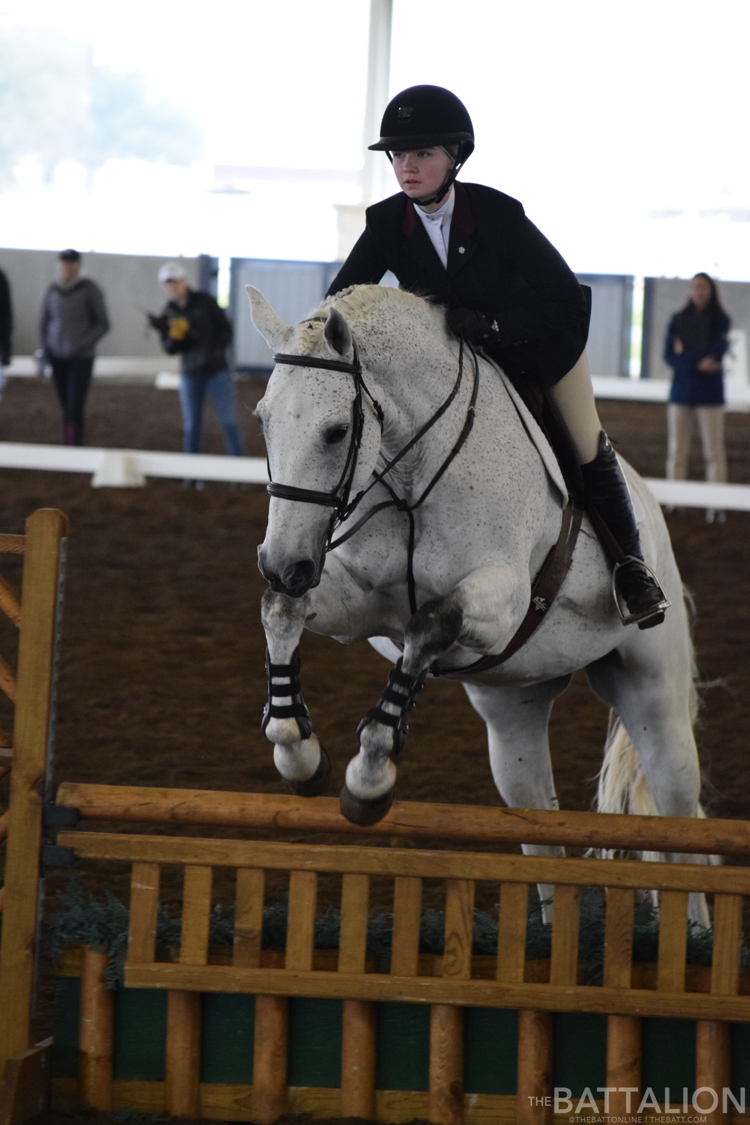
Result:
<point x="462" y="249"/>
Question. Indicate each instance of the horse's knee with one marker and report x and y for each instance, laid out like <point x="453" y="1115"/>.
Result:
<point x="433" y="629"/>
<point x="283" y="618"/>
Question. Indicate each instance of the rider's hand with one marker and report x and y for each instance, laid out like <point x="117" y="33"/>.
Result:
<point x="160" y="323"/>
<point x="469" y="324"/>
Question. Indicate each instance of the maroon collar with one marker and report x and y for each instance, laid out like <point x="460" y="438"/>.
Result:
<point x="463" y="216"/>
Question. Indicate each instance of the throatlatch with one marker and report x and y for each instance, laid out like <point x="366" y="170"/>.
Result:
<point x="404" y="699"/>
<point x="297" y="709"/>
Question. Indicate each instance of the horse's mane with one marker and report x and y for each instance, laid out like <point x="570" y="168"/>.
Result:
<point x="358" y="302"/>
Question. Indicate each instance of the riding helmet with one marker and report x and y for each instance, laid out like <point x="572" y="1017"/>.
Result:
<point x="424" y="116"/>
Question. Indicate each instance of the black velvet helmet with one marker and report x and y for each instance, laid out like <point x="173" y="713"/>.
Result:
<point x="424" y="116"/>
<point x="427" y="117"/>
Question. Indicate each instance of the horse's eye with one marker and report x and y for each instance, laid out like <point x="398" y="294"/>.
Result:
<point x="336" y="434"/>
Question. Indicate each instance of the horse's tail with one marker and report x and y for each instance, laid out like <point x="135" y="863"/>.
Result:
<point x="622" y="783"/>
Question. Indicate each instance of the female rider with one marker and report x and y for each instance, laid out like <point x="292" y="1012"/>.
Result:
<point x="507" y="290"/>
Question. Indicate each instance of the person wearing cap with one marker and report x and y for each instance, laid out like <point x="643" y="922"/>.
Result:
<point x="73" y="320"/>
<point x="193" y="326"/>
<point x="507" y="290"/>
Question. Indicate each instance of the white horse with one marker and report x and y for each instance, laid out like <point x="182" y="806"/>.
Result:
<point x="480" y="537"/>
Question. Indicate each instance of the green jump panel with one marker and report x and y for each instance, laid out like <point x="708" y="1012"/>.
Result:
<point x="740" y="1059"/>
<point x="490" y="1051"/>
<point x="579" y="1052"/>
<point x="140" y="1046"/>
<point x="668" y="1050"/>
<point x="403" y="1047"/>
<point x="314" y="1042"/>
<point x="227" y="1034"/>
<point x="66" y="1017"/>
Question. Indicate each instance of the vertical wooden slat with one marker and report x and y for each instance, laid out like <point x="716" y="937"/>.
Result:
<point x="446" y="1100"/>
<point x="623" y="1063"/>
<point x="248" y="918"/>
<point x="300" y="934"/>
<point x="564" y="964"/>
<point x="623" y="1032"/>
<point x="712" y="1037"/>
<point x="359" y="1017"/>
<point x="144" y="909"/>
<point x="618" y="941"/>
<point x="534" y="1088"/>
<point x="670" y="973"/>
<point x="45" y="530"/>
<point x="182" y="1085"/>
<point x="96" y="1033"/>
<point x="511" y="949"/>
<point x="407" y="915"/>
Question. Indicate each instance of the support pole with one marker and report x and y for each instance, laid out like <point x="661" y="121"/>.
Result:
<point x="96" y="1033"/>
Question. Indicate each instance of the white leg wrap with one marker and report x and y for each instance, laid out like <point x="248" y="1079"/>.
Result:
<point x="297" y="761"/>
<point x="369" y="783"/>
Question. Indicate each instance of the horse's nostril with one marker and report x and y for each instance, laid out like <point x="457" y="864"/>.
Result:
<point x="299" y="576"/>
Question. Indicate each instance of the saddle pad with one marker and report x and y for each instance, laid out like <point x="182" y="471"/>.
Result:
<point x="538" y="439"/>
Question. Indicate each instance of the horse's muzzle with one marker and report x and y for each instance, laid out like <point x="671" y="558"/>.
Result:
<point x="294" y="580"/>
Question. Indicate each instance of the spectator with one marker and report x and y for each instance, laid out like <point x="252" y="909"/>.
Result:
<point x="193" y="326"/>
<point x="697" y="339"/>
<point x="6" y="328"/>
<point x="74" y="319"/>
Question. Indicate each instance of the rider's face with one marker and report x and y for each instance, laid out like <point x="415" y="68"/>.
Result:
<point x="421" y="172"/>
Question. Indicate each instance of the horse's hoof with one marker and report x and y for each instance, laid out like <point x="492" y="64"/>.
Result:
<point x="363" y="812"/>
<point x="316" y="784"/>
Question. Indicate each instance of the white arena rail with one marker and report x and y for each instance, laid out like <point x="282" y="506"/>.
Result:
<point x="128" y="468"/>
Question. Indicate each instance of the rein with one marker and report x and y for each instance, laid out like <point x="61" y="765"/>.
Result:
<point x="339" y="498"/>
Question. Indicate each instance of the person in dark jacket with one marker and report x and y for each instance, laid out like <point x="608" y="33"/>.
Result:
<point x="193" y="326"/>
<point x="73" y="320"/>
<point x="509" y="291"/>
<point x="6" y="328"/>
<point x="697" y="339"/>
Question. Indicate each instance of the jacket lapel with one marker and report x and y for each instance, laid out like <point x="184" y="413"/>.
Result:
<point x="463" y="242"/>
<point x="417" y="245"/>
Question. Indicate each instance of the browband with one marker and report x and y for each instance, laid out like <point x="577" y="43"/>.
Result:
<point x="312" y="361"/>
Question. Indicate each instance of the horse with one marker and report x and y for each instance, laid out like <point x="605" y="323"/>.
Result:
<point x="414" y="500"/>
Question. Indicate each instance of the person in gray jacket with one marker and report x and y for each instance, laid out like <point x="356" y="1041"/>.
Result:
<point x="73" y="320"/>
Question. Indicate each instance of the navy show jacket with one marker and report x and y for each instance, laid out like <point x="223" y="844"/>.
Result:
<point x="498" y="263"/>
<point x="691" y="387"/>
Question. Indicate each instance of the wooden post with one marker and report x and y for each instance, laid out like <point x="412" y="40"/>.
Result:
<point x="446" y="1104"/>
<point x="182" y="1086"/>
<point x="534" y="1096"/>
<point x="623" y="1032"/>
<point x="359" y="1016"/>
<point x="713" y="1055"/>
<point x="96" y="1033"/>
<point x="45" y="531"/>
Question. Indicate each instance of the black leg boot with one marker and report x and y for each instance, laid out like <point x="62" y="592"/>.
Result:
<point x="610" y="508"/>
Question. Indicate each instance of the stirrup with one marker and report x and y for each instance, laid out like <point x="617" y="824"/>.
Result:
<point x="655" y="611"/>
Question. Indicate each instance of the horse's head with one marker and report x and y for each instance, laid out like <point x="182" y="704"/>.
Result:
<point x="316" y="453"/>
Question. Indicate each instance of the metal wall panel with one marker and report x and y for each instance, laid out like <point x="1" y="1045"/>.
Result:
<point x="293" y="289"/>
<point x="609" y="332"/>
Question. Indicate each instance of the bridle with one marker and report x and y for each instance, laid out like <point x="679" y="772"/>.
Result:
<point x="339" y="499"/>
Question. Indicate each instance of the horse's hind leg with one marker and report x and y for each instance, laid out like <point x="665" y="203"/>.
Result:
<point x="297" y="754"/>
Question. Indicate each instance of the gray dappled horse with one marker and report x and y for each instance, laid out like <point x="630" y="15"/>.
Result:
<point x="440" y="570"/>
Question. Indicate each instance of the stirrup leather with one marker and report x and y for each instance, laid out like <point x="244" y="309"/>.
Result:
<point x="645" y="615"/>
<point x="405" y="700"/>
<point x="294" y="710"/>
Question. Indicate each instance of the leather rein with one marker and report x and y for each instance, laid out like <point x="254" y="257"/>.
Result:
<point x="556" y="566"/>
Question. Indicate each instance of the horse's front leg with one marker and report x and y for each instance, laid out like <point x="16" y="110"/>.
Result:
<point x="297" y="754"/>
<point x="479" y="613"/>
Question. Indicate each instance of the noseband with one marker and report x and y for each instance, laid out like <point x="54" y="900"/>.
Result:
<point x="339" y="499"/>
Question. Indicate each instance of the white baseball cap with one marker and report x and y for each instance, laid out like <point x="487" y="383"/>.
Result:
<point x="172" y="271"/>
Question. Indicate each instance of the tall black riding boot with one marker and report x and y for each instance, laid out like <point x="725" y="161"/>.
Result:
<point x="610" y="508"/>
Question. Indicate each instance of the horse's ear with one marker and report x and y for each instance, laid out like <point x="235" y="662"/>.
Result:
<point x="337" y="333"/>
<point x="271" y="327"/>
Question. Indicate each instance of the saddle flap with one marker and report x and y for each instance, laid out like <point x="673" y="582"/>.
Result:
<point x="538" y="439"/>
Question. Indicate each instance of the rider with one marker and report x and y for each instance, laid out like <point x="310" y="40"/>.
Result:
<point x="507" y="290"/>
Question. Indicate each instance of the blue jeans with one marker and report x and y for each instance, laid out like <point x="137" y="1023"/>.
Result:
<point x="220" y="388"/>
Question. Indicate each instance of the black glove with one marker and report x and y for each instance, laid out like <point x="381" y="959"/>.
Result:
<point x="469" y="324"/>
<point x="160" y="323"/>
